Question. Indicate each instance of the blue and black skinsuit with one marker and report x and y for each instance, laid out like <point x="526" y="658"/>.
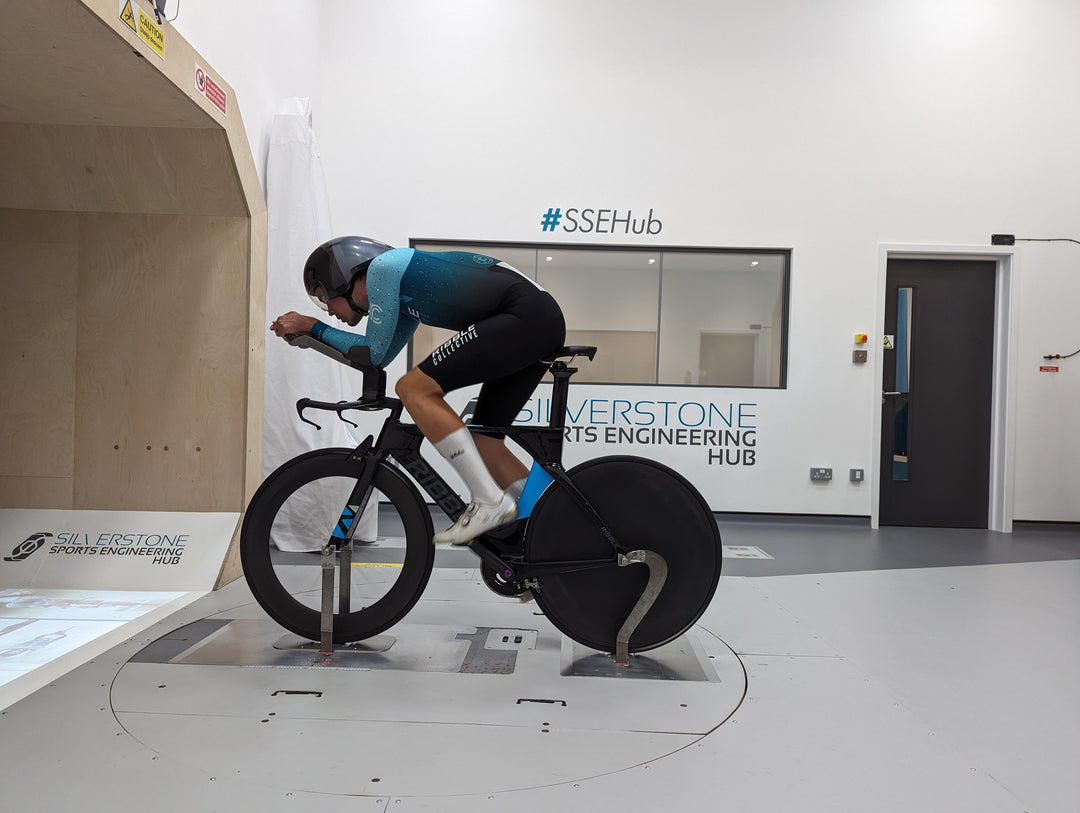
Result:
<point x="505" y="323"/>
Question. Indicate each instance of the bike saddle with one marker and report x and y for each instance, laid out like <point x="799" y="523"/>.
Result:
<point x="569" y="353"/>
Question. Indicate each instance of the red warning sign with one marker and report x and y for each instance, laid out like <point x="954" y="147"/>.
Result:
<point x="213" y="92"/>
<point x="1045" y="369"/>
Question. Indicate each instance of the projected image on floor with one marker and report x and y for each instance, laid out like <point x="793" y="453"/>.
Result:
<point x="38" y="626"/>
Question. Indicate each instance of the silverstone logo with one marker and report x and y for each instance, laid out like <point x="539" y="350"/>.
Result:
<point x="26" y="548"/>
<point x="727" y="434"/>
<point x="599" y="221"/>
<point x="162" y="549"/>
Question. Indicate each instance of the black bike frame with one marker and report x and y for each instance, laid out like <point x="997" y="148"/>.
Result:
<point x="401" y="441"/>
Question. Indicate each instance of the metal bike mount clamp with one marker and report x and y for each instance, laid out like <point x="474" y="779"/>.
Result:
<point x="657" y="576"/>
<point x="343" y="555"/>
<point x="340" y="558"/>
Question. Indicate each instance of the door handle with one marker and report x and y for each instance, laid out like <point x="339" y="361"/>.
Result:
<point x="883" y="394"/>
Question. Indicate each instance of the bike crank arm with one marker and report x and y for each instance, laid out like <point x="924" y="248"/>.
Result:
<point x="519" y="571"/>
<point x="657" y="576"/>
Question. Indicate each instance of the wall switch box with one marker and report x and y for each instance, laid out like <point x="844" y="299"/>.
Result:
<point x="858" y="356"/>
<point x="820" y="474"/>
<point x="857" y="475"/>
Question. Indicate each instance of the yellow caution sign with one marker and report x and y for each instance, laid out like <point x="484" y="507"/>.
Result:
<point x="128" y="16"/>
<point x="143" y="24"/>
<point x="152" y="34"/>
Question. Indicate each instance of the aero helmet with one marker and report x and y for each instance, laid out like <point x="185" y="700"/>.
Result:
<point x="332" y="269"/>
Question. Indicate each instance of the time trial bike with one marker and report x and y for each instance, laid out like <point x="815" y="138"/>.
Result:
<point x="622" y="554"/>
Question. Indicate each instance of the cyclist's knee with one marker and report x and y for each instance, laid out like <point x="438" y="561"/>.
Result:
<point x="405" y="388"/>
<point x="415" y="385"/>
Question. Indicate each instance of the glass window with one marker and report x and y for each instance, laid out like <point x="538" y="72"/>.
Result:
<point x="611" y="299"/>
<point x="704" y="317"/>
<point x="721" y="321"/>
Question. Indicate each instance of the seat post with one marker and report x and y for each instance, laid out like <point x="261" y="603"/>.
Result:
<point x="561" y="373"/>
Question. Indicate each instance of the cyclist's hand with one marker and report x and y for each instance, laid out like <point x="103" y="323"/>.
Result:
<point x="291" y="323"/>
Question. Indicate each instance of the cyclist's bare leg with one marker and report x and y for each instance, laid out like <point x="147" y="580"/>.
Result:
<point x="490" y="506"/>
<point x="427" y="406"/>
<point x="503" y="464"/>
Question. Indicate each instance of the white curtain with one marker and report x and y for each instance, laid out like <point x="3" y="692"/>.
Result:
<point x="298" y="215"/>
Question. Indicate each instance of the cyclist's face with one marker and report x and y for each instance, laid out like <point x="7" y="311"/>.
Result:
<point x="340" y="309"/>
<point x="339" y="306"/>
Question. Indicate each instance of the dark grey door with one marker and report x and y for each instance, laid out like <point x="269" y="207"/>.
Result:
<point x="937" y="386"/>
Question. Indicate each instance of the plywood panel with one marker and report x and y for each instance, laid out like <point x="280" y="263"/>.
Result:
<point x="75" y="64"/>
<point x="231" y="567"/>
<point x="38" y="227"/>
<point x="147" y="370"/>
<point x="61" y="64"/>
<point x="36" y="492"/>
<point x="118" y="169"/>
<point x="256" y="347"/>
<point x="38" y="261"/>
<point x="161" y="355"/>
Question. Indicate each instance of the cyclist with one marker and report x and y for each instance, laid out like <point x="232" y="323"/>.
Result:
<point x="505" y="321"/>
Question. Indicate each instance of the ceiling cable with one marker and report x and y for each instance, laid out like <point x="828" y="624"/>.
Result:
<point x="1059" y="356"/>
<point x="1051" y="356"/>
<point x="1047" y="240"/>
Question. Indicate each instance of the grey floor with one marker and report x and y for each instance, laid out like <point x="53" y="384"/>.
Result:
<point x="856" y="670"/>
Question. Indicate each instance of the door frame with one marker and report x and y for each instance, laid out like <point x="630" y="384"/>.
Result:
<point x="1003" y="406"/>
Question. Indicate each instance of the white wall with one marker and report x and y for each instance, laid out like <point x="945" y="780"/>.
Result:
<point x="267" y="51"/>
<point x="1048" y="451"/>
<point x="829" y="128"/>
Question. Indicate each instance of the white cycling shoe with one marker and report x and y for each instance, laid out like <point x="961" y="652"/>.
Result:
<point x="479" y="518"/>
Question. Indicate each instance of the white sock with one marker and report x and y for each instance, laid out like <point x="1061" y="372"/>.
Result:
<point x="516" y="488"/>
<point x="460" y="451"/>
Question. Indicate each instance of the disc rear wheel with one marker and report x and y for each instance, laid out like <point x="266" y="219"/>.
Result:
<point x="647" y="506"/>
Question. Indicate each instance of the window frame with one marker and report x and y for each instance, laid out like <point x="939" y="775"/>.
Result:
<point x="785" y="254"/>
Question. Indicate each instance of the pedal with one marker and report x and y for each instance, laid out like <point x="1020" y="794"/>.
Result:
<point x="507" y="538"/>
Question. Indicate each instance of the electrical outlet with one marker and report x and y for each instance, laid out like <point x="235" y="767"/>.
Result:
<point x="856" y="475"/>
<point x="820" y="474"/>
